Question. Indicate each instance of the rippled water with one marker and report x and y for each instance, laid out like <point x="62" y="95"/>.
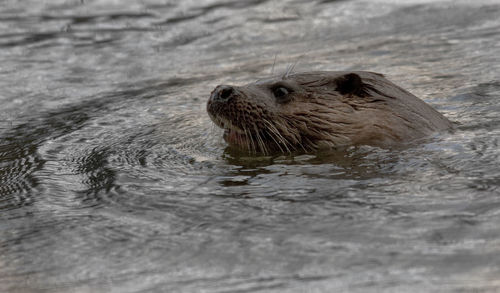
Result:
<point x="113" y="178"/>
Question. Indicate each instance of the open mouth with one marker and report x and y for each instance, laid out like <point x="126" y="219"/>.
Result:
<point x="233" y="135"/>
<point x="249" y="138"/>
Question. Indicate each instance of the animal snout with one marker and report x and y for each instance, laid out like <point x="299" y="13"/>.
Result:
<point x="223" y="93"/>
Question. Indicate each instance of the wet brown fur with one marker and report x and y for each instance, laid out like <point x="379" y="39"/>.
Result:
<point x="323" y="110"/>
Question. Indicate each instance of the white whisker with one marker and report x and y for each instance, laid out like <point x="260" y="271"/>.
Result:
<point x="276" y="133"/>
<point x="274" y="63"/>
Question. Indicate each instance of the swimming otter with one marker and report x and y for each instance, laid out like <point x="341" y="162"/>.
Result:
<point x="326" y="109"/>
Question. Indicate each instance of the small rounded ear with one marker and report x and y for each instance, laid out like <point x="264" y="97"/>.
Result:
<point x="349" y="84"/>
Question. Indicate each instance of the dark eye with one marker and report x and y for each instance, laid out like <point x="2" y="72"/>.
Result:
<point x="281" y="94"/>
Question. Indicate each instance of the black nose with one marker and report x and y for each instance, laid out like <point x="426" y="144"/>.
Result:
<point x="223" y="93"/>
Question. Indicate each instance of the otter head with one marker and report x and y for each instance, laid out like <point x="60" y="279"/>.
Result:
<point x="308" y="111"/>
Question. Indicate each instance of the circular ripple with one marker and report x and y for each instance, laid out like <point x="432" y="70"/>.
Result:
<point x="17" y="163"/>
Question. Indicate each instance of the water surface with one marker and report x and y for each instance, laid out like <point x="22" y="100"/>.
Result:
<point x="113" y="178"/>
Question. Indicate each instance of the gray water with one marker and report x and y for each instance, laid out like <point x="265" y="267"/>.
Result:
<point x="113" y="178"/>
